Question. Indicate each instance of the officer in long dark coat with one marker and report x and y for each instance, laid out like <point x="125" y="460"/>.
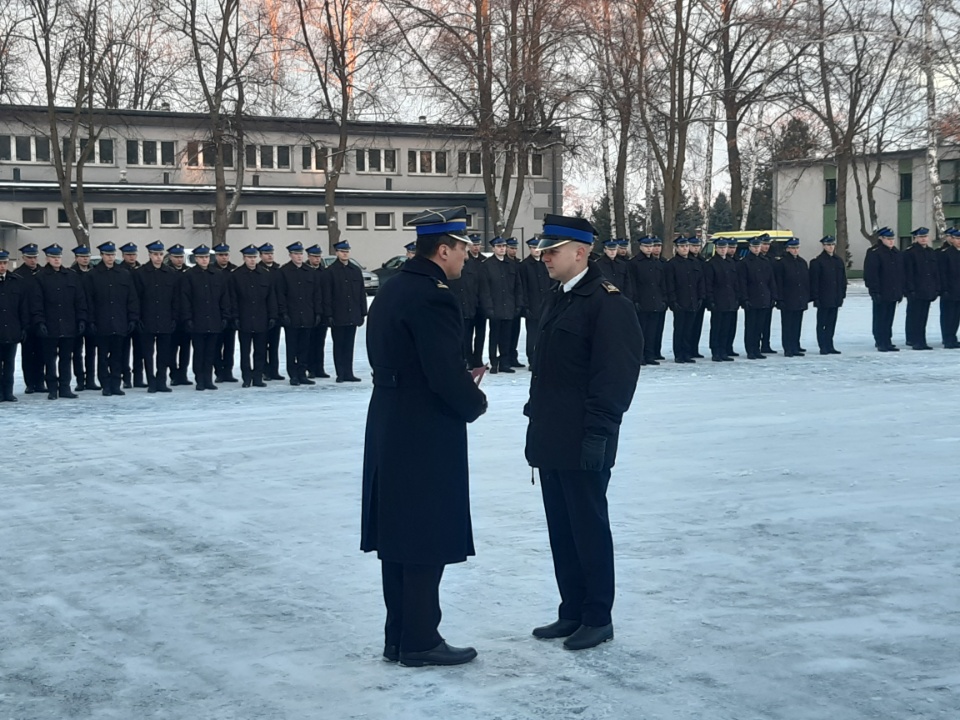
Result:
<point x="19" y="310"/>
<point x="204" y="313"/>
<point x="884" y="277"/>
<point x="793" y="296"/>
<point x="300" y="301"/>
<point x="685" y="295"/>
<point x="828" y="290"/>
<point x="649" y="287"/>
<point x="64" y="309"/>
<point x="720" y="281"/>
<point x="158" y="290"/>
<point x="765" y="347"/>
<point x="179" y="360"/>
<point x="949" y="261"/>
<point x="31" y="350"/>
<point x="318" y="336"/>
<point x="114" y="309"/>
<point x="615" y="270"/>
<point x="466" y="289"/>
<point x="696" y="332"/>
<point x="345" y="302"/>
<point x="227" y="341"/>
<point x="513" y="245"/>
<point x="921" y="273"/>
<point x="662" y="315"/>
<point x="536" y="284"/>
<point x="476" y="328"/>
<point x="501" y="297"/>
<point x="416" y="505"/>
<point x="757" y="292"/>
<point x="267" y="263"/>
<point x="253" y="305"/>
<point x="132" y="344"/>
<point x="586" y="367"/>
<point x="85" y="344"/>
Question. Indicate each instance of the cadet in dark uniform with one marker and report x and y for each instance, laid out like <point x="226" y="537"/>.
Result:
<point x="757" y="292"/>
<point x="416" y="505"/>
<point x="132" y="344"/>
<point x="227" y="342"/>
<point x="512" y="246"/>
<point x="31" y="350"/>
<point x="180" y="338"/>
<point x="922" y="286"/>
<point x="114" y="311"/>
<point x="765" y="347"/>
<point x="19" y="310"/>
<point x="616" y="271"/>
<point x="300" y="301"/>
<point x="410" y="249"/>
<point x="649" y="295"/>
<point x="466" y="289"/>
<point x="345" y="302"/>
<point x="662" y="315"/>
<point x="828" y="289"/>
<point x="318" y="336"/>
<point x="587" y="363"/>
<point x="949" y="260"/>
<point x="793" y="296"/>
<point x="158" y="290"/>
<point x="884" y="277"/>
<point x="204" y="313"/>
<point x="85" y="344"/>
<point x="64" y="310"/>
<point x="623" y="249"/>
<point x="476" y="329"/>
<point x="273" y="335"/>
<point x="253" y="305"/>
<point x="536" y="283"/>
<point x="500" y="297"/>
<point x="720" y="276"/>
<point x="696" y="245"/>
<point x="685" y="294"/>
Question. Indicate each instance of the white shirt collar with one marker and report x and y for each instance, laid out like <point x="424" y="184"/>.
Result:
<point x="570" y="284"/>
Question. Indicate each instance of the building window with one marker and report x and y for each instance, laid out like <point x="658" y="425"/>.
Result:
<point x="470" y="220"/>
<point x="200" y="154"/>
<point x="105" y="154"/>
<point x="408" y="218"/>
<point x="24" y="148"/>
<point x="4" y="147"/>
<point x="24" y="152"/>
<point x="62" y="219"/>
<point x="950" y="180"/>
<point x="316" y="158"/>
<point x="906" y="186"/>
<point x="138" y="218"/>
<point x="468" y="163"/>
<point x="356" y="220"/>
<point x="830" y="192"/>
<point x="266" y="218"/>
<point x="322" y="220"/>
<point x="202" y="218"/>
<point x="103" y="217"/>
<point x="536" y="164"/>
<point x="36" y="217"/>
<point x="267" y="157"/>
<point x="383" y="221"/>
<point x="102" y="151"/>
<point x="427" y="162"/>
<point x="296" y="219"/>
<point x="168" y="153"/>
<point x="376" y="161"/>
<point x="42" y="146"/>
<point x="238" y="219"/>
<point x="171" y="218"/>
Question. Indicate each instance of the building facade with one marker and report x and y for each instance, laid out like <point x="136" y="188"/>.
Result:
<point x="805" y="198"/>
<point x="150" y="177"/>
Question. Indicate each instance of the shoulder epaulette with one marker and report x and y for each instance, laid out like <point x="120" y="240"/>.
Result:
<point x="610" y="287"/>
<point x="442" y="286"/>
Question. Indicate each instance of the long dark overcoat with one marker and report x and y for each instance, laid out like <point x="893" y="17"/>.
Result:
<point x="793" y="283"/>
<point x="64" y="301"/>
<point x="828" y="281"/>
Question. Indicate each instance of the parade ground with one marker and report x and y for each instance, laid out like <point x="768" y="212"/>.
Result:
<point x="786" y="538"/>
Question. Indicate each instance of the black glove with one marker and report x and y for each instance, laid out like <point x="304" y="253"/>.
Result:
<point x="285" y="320"/>
<point x="131" y="326"/>
<point x="188" y="325"/>
<point x="593" y="452"/>
<point x="236" y="323"/>
<point x="92" y="327"/>
<point x="672" y="306"/>
<point x="271" y="324"/>
<point x="224" y="323"/>
<point x="81" y="327"/>
<point x="23" y="336"/>
<point x="319" y="321"/>
<point x="42" y="330"/>
<point x="329" y="322"/>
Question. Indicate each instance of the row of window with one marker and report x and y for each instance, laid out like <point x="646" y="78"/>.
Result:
<point x="949" y="184"/>
<point x="264" y="219"/>
<point x="199" y="154"/>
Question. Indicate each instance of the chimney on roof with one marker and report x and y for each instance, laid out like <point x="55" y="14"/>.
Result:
<point x="423" y="119"/>
<point x="165" y="106"/>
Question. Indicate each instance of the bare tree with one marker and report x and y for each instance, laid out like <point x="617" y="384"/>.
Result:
<point x="13" y="22"/>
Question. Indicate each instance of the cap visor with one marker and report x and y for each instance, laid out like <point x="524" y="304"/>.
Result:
<point x="547" y="243"/>
<point x="461" y="238"/>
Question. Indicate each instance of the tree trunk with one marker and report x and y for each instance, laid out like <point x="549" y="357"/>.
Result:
<point x="933" y="139"/>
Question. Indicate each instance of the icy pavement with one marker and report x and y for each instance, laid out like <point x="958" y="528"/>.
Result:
<point x="786" y="535"/>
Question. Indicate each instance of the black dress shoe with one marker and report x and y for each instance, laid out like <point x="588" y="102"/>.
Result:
<point x="660" y="357"/>
<point x="803" y="350"/>
<point x="353" y="378"/>
<point x="92" y="386"/>
<point x="307" y="381"/>
<point x="106" y="392"/>
<point x="210" y="386"/>
<point x="506" y="369"/>
<point x="294" y="381"/>
<point x="588" y="637"/>
<point x="824" y="352"/>
<point x="340" y="380"/>
<point x="127" y="385"/>
<point x="652" y="362"/>
<point x="29" y="391"/>
<point x="733" y="354"/>
<point x="52" y="395"/>
<point x="228" y="378"/>
<point x="697" y="356"/>
<point x="716" y="358"/>
<point x="391" y="653"/>
<point x="727" y="358"/>
<point x="322" y="374"/>
<point x="517" y="364"/>
<point x="755" y="356"/>
<point x="559" y="629"/>
<point x="259" y="383"/>
<point x="247" y="383"/>
<point x="275" y="377"/>
<point x="922" y="347"/>
<point x="493" y="370"/>
<point x="767" y="351"/>
<point x="834" y="351"/>
<point x="10" y="398"/>
<point x="442" y="654"/>
<point x="67" y="393"/>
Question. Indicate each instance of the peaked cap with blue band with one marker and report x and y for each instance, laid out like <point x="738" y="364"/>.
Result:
<point x="512" y="242"/>
<point x="693" y="240"/>
<point x="250" y="250"/>
<point x="155" y="246"/>
<point x="107" y="248"/>
<point x="201" y="251"/>
<point x="449" y="221"/>
<point x="295" y="247"/>
<point x="560" y="229"/>
<point x="221" y="249"/>
<point x="885" y="232"/>
<point x="30" y="250"/>
<point x="611" y="243"/>
<point x="81" y="251"/>
<point x="4" y="255"/>
<point x="623" y="242"/>
<point x="533" y="242"/>
<point x="828" y="240"/>
<point x="265" y="248"/>
<point x="53" y="250"/>
<point x="176" y="250"/>
<point x="314" y="250"/>
<point x="342" y="245"/>
<point x="920" y="231"/>
<point x="757" y="240"/>
<point x="411" y="246"/>
<point x="498" y="241"/>
<point x="129" y="249"/>
<point x="793" y="242"/>
<point x="647" y="240"/>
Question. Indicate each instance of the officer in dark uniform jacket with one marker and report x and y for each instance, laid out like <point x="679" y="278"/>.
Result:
<point x="180" y="338"/>
<point x="536" y="284"/>
<point x="501" y="297"/>
<point x="31" y="351"/>
<point x="253" y="304"/>
<point x="19" y="310"/>
<point x="300" y="300"/>
<point x="466" y="289"/>
<point x="318" y="336"/>
<point x="416" y="505"/>
<point x="949" y="261"/>
<point x="662" y="315"/>
<point x="132" y="374"/>
<point x="720" y="282"/>
<point x="615" y="270"/>
<point x="345" y="302"/>
<point x="623" y="253"/>
<point x="793" y="296"/>
<point x="85" y="344"/>
<point x="685" y="295"/>
<point x="476" y="328"/>
<point x="204" y="313"/>
<point x="227" y="341"/>
<point x="64" y="309"/>
<point x="513" y="246"/>
<point x="114" y="311"/>
<point x="586" y="366"/>
<point x="757" y="292"/>
<point x="696" y="332"/>
<point x="765" y="346"/>
<point x="273" y="335"/>
<point x="158" y="289"/>
<point x="649" y="295"/>
<point x="921" y="273"/>
<point x="828" y="289"/>
<point x="884" y="277"/>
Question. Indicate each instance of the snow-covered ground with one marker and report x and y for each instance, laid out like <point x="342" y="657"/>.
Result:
<point x="786" y="535"/>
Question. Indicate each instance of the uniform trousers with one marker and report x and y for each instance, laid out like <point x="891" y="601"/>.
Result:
<point x="273" y="352"/>
<point x="533" y="334"/>
<point x="515" y="341"/>
<point x="318" y="343"/>
<point x="85" y="359"/>
<point x="298" y="348"/>
<point x="918" y="311"/>
<point x="8" y="356"/>
<point x="648" y="325"/>
<point x="110" y="352"/>
<point x="658" y="342"/>
<point x="883" y="314"/>
<point x="578" y="523"/>
<point x="500" y="342"/>
<point x="732" y="332"/>
<point x="31" y="361"/>
<point x="949" y="321"/>
<point x="412" y="595"/>
<point x="344" y="337"/>
<point x="134" y="343"/>
<point x="753" y="329"/>
<point x="226" y="348"/>
<point x="57" y="360"/>
<point x="765" y="330"/>
<point x="826" y="326"/>
<point x="791" y="324"/>
<point x="696" y="331"/>
<point x="720" y="322"/>
<point x="179" y="354"/>
<point x="204" y="357"/>
<point x="257" y="342"/>
<point x="477" y="332"/>
<point x="161" y="345"/>
<point x="684" y="324"/>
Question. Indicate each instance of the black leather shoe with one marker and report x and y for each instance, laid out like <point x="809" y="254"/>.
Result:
<point x="697" y="356"/>
<point x="834" y="351"/>
<point x="29" y="390"/>
<point x="517" y="364"/>
<point x="442" y="654"/>
<point x="228" y="379"/>
<point x="494" y="370"/>
<point x="10" y="398"/>
<point x="67" y="393"/>
<point x="726" y="358"/>
<point x="506" y="369"/>
<point x="259" y="383"/>
<point x="307" y="381"/>
<point x="294" y="381"/>
<point x="391" y="653"/>
<point x="733" y="354"/>
<point x="922" y="347"/>
<point x="322" y="375"/>
<point x="588" y="637"/>
<point x="558" y="629"/>
<point x="247" y="383"/>
<point x="353" y="378"/>
<point x="767" y="351"/>
<point x="92" y="386"/>
<point x="52" y="395"/>
<point x="275" y="377"/>
<point x="716" y="358"/>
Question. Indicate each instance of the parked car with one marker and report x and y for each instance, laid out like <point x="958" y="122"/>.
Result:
<point x="390" y="268"/>
<point x="371" y="283"/>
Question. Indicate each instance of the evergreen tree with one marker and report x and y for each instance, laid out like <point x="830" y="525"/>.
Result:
<point x="721" y="214"/>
